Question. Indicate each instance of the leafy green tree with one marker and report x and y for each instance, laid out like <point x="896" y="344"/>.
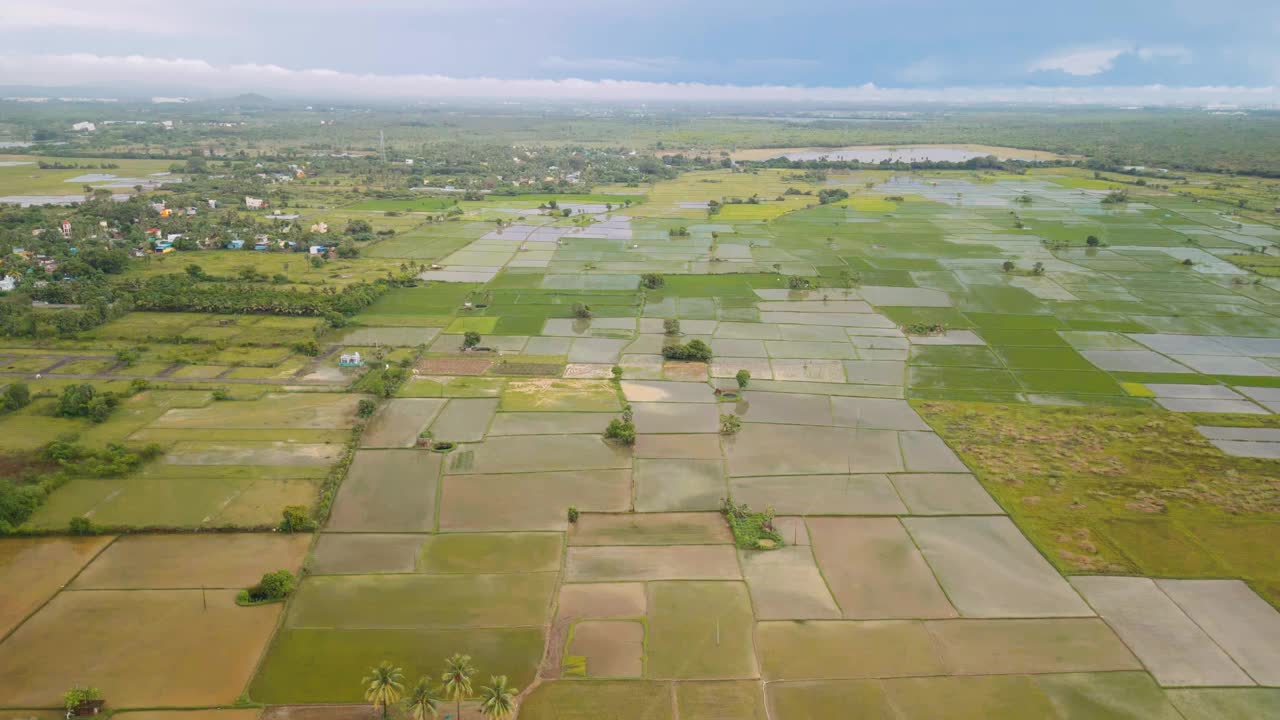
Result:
<point x="653" y="281"/>
<point x="624" y="431"/>
<point x="470" y="339"/>
<point x="456" y="679"/>
<point x="744" y="378"/>
<point x="423" y="699"/>
<point x="1007" y="266"/>
<point x="582" y="311"/>
<point x="383" y="686"/>
<point x="15" y="396"/>
<point x="1092" y="241"/>
<point x="497" y="699"/>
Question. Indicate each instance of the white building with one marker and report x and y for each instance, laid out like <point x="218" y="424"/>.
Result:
<point x="253" y="203"/>
<point x="84" y="127"/>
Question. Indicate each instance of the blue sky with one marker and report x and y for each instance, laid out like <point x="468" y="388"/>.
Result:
<point x="928" y="47"/>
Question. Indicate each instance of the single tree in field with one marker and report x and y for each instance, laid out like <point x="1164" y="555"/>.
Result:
<point x="497" y="700"/>
<point x="383" y="686"/>
<point x="422" y="700"/>
<point x="1007" y="266"/>
<point x="456" y="680"/>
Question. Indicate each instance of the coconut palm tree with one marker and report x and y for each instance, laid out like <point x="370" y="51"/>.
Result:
<point x="384" y="685"/>
<point x="422" y="700"/>
<point x="497" y="700"/>
<point x="456" y="678"/>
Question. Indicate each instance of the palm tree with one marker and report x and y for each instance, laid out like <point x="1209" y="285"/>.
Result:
<point x="422" y="700"/>
<point x="498" y="701"/>
<point x="457" y="678"/>
<point x="384" y="685"/>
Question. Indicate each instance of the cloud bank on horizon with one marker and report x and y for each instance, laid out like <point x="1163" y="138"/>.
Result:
<point x="1140" y="52"/>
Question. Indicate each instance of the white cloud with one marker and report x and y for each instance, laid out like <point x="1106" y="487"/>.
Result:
<point x="196" y="77"/>
<point x="1082" y="62"/>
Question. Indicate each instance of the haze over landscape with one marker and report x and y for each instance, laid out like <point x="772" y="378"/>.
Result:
<point x="884" y="360"/>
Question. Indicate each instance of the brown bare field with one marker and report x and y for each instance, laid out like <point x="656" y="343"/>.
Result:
<point x="33" y="569"/>
<point x="142" y="648"/>
<point x="156" y="562"/>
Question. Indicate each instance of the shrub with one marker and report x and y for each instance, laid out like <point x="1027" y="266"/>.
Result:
<point x="628" y="413"/>
<point x="1188" y="262"/>
<point x="77" y="695"/>
<point x="796" y="282"/>
<point x="692" y="350"/>
<point x="573" y="514"/>
<point x="273" y="587"/>
<point x="1007" y="266"/>
<point x="925" y="328"/>
<point x="127" y="357"/>
<point x="581" y="311"/>
<point x="730" y="424"/>
<point x="1092" y="241"/>
<point x="1038" y="268"/>
<point x="366" y="407"/>
<point x="308" y="347"/>
<point x="221" y="393"/>
<point x="617" y="372"/>
<point x="470" y="339"/>
<point x="744" y="378"/>
<point x="295" y="518"/>
<point x="622" y="431"/>
<point x="81" y="525"/>
<point x="138" y="385"/>
<point x="653" y="281"/>
<point x="671" y="326"/>
<point x="15" y="397"/>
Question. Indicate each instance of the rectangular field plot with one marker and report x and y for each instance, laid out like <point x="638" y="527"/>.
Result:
<point x="274" y="410"/>
<point x="399" y="421"/>
<point x="700" y="630"/>
<point x="191" y="561"/>
<point x="422" y="601"/>
<point x="651" y="529"/>
<point x="820" y="494"/>
<point x="846" y="650"/>
<point x="362" y="554"/>
<point x="874" y="570"/>
<point x="143" y="648"/>
<point x="671" y="562"/>
<point x="989" y="569"/>
<point x="491" y="553"/>
<point x="595" y="699"/>
<point x="714" y="700"/>
<point x="528" y="454"/>
<point x="388" y="491"/>
<point x="332" y="657"/>
<point x="532" y="501"/>
<point x="785" y="585"/>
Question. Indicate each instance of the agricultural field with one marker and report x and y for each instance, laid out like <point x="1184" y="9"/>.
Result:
<point x="1014" y="449"/>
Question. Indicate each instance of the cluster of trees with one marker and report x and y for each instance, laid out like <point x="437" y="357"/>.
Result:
<point x="830" y="195"/>
<point x="695" y="350"/>
<point x="86" y="401"/>
<point x="182" y="293"/>
<point x="54" y="465"/>
<point x="384" y="688"/>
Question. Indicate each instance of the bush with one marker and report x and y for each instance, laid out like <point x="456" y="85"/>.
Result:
<point x="744" y="378"/>
<point x="693" y="350"/>
<point x="470" y="339"/>
<point x="1092" y="241"/>
<point x="1007" y="266"/>
<point x="730" y="424"/>
<point x="221" y="393"/>
<point x="621" y="431"/>
<point x="617" y="372"/>
<point x="81" y="525"/>
<point x="573" y="514"/>
<point x="295" y="518"/>
<point x="671" y="326"/>
<point x="653" y="281"/>
<point x="15" y="397"/>
<point x="74" y="697"/>
<point x="273" y="587"/>
<point x="308" y="347"/>
<point x="138" y="385"/>
<point x="796" y="282"/>
<point x="581" y="311"/>
<point x="366" y="407"/>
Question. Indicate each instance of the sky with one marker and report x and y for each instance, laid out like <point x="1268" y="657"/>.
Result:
<point x="1124" y="52"/>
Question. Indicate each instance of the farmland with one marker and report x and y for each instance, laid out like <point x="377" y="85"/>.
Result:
<point x="1013" y="443"/>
